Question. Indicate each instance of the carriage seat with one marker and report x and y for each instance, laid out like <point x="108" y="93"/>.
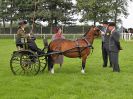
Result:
<point x="22" y="42"/>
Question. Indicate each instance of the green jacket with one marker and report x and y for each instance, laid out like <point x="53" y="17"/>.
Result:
<point x="20" y="33"/>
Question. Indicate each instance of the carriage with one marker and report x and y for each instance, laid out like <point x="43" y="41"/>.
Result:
<point x="27" y="62"/>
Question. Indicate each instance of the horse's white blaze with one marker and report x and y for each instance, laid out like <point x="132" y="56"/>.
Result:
<point x="52" y="70"/>
<point x="82" y="71"/>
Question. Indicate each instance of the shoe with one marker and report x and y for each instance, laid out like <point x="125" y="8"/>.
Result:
<point x="116" y="71"/>
<point x="104" y="65"/>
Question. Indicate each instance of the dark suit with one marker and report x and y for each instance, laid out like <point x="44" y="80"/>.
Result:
<point x="105" y="48"/>
<point x="114" y="47"/>
<point x="32" y="46"/>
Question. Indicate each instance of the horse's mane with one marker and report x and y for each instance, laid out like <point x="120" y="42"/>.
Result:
<point x="88" y="30"/>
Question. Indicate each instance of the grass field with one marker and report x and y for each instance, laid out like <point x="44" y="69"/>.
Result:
<point x="69" y="83"/>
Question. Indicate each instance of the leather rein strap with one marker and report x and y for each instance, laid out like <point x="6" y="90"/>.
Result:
<point x="79" y="47"/>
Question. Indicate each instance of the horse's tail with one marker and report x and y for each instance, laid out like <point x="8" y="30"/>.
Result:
<point x="49" y="58"/>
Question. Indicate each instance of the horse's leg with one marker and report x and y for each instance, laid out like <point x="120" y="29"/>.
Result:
<point x="52" y="68"/>
<point x="52" y="65"/>
<point x="52" y="62"/>
<point x="60" y="65"/>
<point x="83" y="64"/>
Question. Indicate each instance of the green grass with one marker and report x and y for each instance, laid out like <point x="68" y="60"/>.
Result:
<point x="69" y="83"/>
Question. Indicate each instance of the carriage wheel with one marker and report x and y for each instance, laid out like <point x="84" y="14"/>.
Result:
<point x="25" y="64"/>
<point x="43" y="63"/>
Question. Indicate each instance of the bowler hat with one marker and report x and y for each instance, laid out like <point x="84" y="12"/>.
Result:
<point x="112" y="24"/>
<point x="104" y="22"/>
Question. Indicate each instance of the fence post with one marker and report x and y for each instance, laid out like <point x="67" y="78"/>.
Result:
<point x="122" y="35"/>
<point x="44" y="36"/>
<point x="129" y="36"/>
<point x="41" y="31"/>
<point x="62" y="29"/>
<point x="14" y="38"/>
<point x="83" y="29"/>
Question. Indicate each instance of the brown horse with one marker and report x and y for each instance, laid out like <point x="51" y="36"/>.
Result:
<point x="72" y="49"/>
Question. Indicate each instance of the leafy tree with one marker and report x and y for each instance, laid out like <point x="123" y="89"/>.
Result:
<point x="119" y="7"/>
<point x="4" y="12"/>
<point x="93" y="10"/>
<point x="99" y="10"/>
<point x="55" y="11"/>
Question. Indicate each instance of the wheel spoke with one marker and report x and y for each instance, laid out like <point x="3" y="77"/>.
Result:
<point x="25" y="64"/>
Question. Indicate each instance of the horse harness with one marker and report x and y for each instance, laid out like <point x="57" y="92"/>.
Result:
<point x="79" y="47"/>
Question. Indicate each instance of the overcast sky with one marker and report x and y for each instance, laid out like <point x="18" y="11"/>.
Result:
<point x="128" y="22"/>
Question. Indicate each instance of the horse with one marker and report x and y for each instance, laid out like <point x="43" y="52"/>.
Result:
<point x="72" y="48"/>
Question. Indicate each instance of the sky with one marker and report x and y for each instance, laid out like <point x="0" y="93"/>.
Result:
<point x="128" y="22"/>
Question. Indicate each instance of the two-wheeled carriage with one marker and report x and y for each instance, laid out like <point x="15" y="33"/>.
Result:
<point x="27" y="62"/>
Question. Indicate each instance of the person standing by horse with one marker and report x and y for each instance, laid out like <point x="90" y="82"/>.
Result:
<point x="58" y="35"/>
<point x="114" y="46"/>
<point x="72" y="48"/>
<point x="105" y="43"/>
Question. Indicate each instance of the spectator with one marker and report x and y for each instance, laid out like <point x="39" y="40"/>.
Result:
<point x="105" y="44"/>
<point x="58" y="35"/>
<point x="114" y="46"/>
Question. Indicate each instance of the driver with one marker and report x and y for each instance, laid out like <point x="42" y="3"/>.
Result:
<point x="30" y="39"/>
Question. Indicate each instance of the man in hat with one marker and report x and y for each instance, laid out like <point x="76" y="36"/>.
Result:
<point x="114" y="46"/>
<point x="105" y="43"/>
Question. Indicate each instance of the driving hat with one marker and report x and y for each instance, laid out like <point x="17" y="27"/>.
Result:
<point x="22" y="22"/>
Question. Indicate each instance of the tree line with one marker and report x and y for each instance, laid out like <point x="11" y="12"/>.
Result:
<point x="61" y="11"/>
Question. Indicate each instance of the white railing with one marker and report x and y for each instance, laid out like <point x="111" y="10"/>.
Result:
<point x="127" y="36"/>
<point x="68" y="36"/>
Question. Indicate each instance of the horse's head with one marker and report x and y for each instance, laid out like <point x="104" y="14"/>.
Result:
<point x="96" y="32"/>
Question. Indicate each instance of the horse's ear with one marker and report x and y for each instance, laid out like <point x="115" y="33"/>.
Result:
<point x="94" y="27"/>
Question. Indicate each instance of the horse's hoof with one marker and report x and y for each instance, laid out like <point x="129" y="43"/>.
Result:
<point x="82" y="71"/>
<point x="52" y="71"/>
